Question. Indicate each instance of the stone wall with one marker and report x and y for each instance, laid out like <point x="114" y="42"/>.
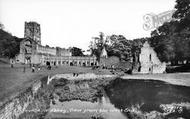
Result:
<point x="149" y="62"/>
<point x="85" y="76"/>
<point x="68" y="60"/>
<point x="32" y="31"/>
<point x="45" y="50"/>
<point x="16" y="106"/>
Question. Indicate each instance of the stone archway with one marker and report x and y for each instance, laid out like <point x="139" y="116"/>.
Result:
<point x="27" y="60"/>
<point x="79" y="63"/>
<point x="71" y="64"/>
<point x="83" y="64"/>
<point x="47" y="63"/>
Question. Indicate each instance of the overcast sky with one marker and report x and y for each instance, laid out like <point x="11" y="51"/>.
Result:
<point x="67" y="23"/>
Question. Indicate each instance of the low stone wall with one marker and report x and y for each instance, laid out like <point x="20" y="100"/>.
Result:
<point x="79" y="76"/>
<point x="16" y="106"/>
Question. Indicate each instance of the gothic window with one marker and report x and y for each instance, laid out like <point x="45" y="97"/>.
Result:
<point x="27" y="47"/>
<point x="150" y="57"/>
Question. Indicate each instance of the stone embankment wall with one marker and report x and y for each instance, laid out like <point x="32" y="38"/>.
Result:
<point x="16" y="106"/>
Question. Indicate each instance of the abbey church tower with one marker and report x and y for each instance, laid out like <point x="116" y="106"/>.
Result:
<point x="32" y="31"/>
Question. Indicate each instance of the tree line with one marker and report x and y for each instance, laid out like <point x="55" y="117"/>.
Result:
<point x="117" y="45"/>
<point x="171" y="41"/>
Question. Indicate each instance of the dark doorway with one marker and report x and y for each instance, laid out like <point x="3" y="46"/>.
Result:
<point x="150" y="57"/>
<point x="71" y="63"/>
<point x="47" y="63"/>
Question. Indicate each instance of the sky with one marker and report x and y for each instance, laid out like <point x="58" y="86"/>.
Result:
<point x="68" y="23"/>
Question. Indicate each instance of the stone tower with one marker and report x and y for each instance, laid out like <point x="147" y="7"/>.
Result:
<point x="32" y="30"/>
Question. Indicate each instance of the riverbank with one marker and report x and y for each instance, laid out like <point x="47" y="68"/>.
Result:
<point x="14" y="80"/>
<point x="152" y="99"/>
<point x="85" y="87"/>
<point x="172" y="78"/>
<point x="61" y="90"/>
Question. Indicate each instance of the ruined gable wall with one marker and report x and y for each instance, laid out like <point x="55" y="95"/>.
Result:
<point x="149" y="61"/>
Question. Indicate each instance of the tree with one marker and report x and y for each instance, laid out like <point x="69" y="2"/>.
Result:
<point x="98" y="44"/>
<point x="76" y="51"/>
<point x="135" y="51"/>
<point x="9" y="45"/>
<point x="116" y="45"/>
<point x="164" y="46"/>
<point x="1" y="26"/>
<point x="182" y="9"/>
<point x="120" y="46"/>
<point x="171" y="41"/>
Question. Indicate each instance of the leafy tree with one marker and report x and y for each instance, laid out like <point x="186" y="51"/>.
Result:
<point x="116" y="45"/>
<point x="120" y="46"/>
<point x="76" y="51"/>
<point x="136" y="48"/>
<point x="9" y="45"/>
<point x="182" y="9"/>
<point x="164" y="47"/>
<point x="98" y="44"/>
<point x="171" y="41"/>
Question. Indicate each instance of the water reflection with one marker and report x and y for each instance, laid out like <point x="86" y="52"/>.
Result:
<point x="123" y="96"/>
<point x="146" y="95"/>
<point x="85" y="110"/>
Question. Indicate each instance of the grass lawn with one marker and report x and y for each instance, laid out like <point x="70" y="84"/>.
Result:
<point x="173" y="78"/>
<point x="14" y="80"/>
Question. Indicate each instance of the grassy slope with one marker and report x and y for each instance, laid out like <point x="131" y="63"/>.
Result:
<point x="13" y="80"/>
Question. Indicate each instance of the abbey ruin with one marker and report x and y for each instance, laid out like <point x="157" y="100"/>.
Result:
<point x="32" y="52"/>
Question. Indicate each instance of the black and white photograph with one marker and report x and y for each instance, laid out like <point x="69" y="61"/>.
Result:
<point x="94" y="59"/>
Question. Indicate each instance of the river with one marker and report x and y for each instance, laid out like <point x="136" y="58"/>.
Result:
<point x="128" y="99"/>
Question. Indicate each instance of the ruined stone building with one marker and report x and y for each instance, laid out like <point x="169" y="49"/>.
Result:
<point x="32" y="31"/>
<point x="31" y="50"/>
<point x="104" y="53"/>
<point x="149" y="62"/>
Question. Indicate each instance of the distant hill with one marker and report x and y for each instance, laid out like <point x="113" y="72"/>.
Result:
<point x="9" y="45"/>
